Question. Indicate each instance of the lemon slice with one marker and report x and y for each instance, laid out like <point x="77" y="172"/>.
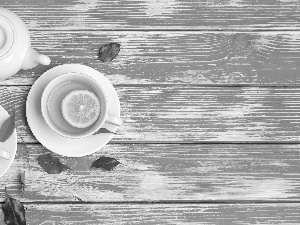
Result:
<point x="81" y="108"/>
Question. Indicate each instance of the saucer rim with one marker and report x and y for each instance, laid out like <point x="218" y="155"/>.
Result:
<point x="15" y="141"/>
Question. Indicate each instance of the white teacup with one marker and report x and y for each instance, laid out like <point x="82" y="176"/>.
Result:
<point x="60" y="87"/>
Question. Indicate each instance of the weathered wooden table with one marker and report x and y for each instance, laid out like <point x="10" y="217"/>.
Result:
<point x="210" y="97"/>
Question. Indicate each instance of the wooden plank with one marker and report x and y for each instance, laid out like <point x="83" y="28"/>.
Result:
<point x="163" y="172"/>
<point x="180" y="214"/>
<point x="192" y="113"/>
<point x="175" y="57"/>
<point x="153" y="14"/>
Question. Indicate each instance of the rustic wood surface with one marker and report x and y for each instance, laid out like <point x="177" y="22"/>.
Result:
<point x="191" y="113"/>
<point x="157" y="14"/>
<point x="209" y="94"/>
<point x="163" y="172"/>
<point x="157" y="57"/>
<point x="153" y="214"/>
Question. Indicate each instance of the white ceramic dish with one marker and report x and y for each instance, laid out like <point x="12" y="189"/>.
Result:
<point x="49" y="138"/>
<point x="10" y="145"/>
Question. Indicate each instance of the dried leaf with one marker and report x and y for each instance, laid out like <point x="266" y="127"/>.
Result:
<point x="108" y="52"/>
<point x="14" y="212"/>
<point x="51" y="164"/>
<point x="106" y="163"/>
<point x="8" y="127"/>
<point x="103" y="131"/>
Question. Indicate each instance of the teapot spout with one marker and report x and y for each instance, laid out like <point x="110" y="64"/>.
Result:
<point x="33" y="58"/>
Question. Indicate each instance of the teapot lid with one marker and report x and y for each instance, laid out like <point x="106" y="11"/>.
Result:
<point x="6" y="35"/>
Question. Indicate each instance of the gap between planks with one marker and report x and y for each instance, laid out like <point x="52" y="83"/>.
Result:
<point x="167" y="29"/>
<point x="193" y="142"/>
<point x="236" y="85"/>
<point x="160" y="202"/>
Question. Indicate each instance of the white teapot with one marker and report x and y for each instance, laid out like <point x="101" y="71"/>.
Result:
<point x="15" y="46"/>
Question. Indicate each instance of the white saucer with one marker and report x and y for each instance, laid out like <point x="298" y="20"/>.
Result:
<point x="9" y="145"/>
<point x="55" y="142"/>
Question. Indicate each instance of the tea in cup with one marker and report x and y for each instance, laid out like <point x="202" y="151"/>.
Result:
<point x="75" y="105"/>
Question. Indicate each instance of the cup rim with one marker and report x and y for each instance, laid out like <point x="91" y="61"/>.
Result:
<point x="45" y="112"/>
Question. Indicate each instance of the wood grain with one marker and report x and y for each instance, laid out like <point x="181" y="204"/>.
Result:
<point x="243" y="58"/>
<point x="188" y="72"/>
<point x="153" y="214"/>
<point x="191" y="113"/>
<point x="154" y="14"/>
<point x="163" y="172"/>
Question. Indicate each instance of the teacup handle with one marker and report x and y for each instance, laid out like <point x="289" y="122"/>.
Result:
<point x="114" y="120"/>
<point x="4" y="154"/>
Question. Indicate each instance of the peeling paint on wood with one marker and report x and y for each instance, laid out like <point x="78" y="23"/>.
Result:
<point x="191" y="113"/>
<point x="163" y="172"/>
<point x="157" y="14"/>
<point x="178" y="73"/>
<point x="175" y="57"/>
<point x="153" y="214"/>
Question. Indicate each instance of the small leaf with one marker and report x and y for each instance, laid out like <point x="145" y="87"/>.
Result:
<point x="14" y="212"/>
<point x="106" y="163"/>
<point x="103" y="131"/>
<point x="108" y="52"/>
<point x="22" y="179"/>
<point x="8" y="127"/>
<point x="51" y="164"/>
